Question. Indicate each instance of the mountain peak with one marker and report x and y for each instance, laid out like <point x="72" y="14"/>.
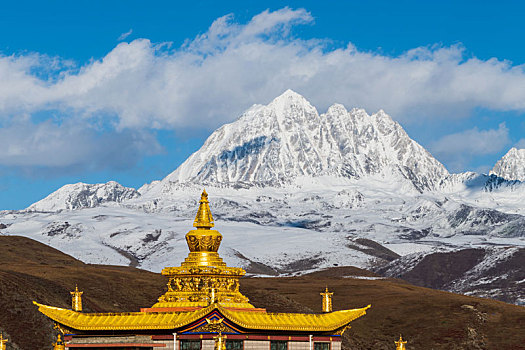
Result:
<point x="274" y="144"/>
<point x="290" y="94"/>
<point x="511" y="166"/>
<point x="289" y="99"/>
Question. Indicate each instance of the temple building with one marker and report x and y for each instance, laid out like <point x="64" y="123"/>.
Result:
<point x="202" y="309"/>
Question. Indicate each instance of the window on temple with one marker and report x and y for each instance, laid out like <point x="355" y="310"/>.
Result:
<point x="186" y="344"/>
<point x="278" y="345"/>
<point x="234" y="345"/>
<point x="321" y="346"/>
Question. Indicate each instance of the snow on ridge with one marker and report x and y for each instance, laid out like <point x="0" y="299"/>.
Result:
<point x="511" y="166"/>
<point x="82" y="195"/>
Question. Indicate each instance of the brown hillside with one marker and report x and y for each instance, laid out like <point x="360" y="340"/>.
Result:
<point x="429" y="319"/>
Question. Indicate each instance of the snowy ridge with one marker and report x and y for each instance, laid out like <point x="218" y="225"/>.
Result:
<point x="511" y="166"/>
<point x="81" y="195"/>
<point x="275" y="144"/>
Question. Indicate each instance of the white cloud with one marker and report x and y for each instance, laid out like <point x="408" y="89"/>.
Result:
<point x="520" y="144"/>
<point x="214" y="77"/>
<point x="123" y="36"/>
<point x="71" y="147"/>
<point x="457" y="149"/>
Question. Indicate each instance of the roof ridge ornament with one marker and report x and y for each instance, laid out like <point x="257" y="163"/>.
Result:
<point x="76" y="300"/>
<point x="203" y="219"/>
<point x="327" y="300"/>
<point x="400" y="344"/>
<point x="3" y="341"/>
<point x="59" y="345"/>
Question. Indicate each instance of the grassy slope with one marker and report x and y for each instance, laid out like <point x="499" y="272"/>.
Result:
<point x="429" y="319"/>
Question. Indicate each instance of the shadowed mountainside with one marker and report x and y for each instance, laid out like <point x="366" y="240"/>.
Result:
<point x="496" y="272"/>
<point x="429" y="319"/>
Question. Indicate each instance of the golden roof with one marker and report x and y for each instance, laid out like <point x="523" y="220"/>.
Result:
<point x="203" y="283"/>
<point x="325" y="322"/>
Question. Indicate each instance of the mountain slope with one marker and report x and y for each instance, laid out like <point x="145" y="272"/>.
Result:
<point x="496" y="272"/>
<point x="511" y="166"/>
<point x="274" y="144"/>
<point x="427" y="318"/>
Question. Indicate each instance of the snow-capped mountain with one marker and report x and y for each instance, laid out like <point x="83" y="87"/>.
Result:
<point x="81" y="195"/>
<point x="511" y="166"/>
<point x="275" y="144"/>
<point x="291" y="190"/>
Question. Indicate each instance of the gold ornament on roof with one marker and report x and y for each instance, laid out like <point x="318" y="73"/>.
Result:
<point x="2" y="342"/>
<point x="203" y="278"/>
<point x="400" y="344"/>
<point x="217" y="327"/>
<point x="76" y="300"/>
<point x="59" y="345"/>
<point x="327" y="300"/>
<point x="220" y="342"/>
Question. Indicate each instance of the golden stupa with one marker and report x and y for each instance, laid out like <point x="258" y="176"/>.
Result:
<point x="203" y="277"/>
<point x="202" y="304"/>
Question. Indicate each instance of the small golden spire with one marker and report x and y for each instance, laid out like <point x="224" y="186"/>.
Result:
<point x="76" y="300"/>
<point x="327" y="300"/>
<point x="203" y="219"/>
<point x="59" y="345"/>
<point x="400" y="344"/>
<point x="2" y="342"/>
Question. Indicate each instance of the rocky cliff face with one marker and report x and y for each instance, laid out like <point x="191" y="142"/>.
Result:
<point x="511" y="166"/>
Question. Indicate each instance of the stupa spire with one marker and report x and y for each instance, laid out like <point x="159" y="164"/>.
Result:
<point x="400" y="344"/>
<point x="204" y="219"/>
<point x="2" y="342"/>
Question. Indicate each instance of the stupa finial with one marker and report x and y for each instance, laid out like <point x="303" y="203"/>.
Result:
<point x="204" y="219"/>
<point x="400" y="344"/>
<point x="2" y="342"/>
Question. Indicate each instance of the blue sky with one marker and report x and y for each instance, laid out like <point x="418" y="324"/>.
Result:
<point x="95" y="91"/>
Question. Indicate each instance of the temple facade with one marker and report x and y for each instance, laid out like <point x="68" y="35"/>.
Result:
<point x="202" y="309"/>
